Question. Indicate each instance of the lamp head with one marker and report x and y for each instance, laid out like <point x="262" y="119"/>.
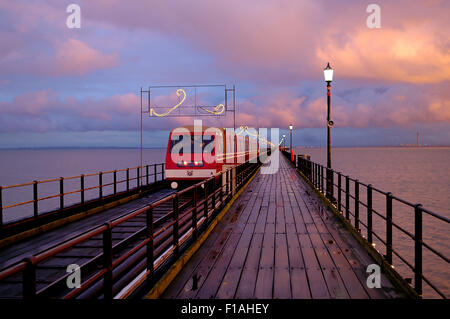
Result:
<point x="291" y="127"/>
<point x="328" y="73"/>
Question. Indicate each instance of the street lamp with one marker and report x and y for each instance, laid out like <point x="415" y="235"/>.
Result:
<point x="292" y="152"/>
<point x="284" y="141"/>
<point x="290" y="129"/>
<point x="328" y="75"/>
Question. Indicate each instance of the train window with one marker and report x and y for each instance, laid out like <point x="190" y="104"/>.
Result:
<point x="177" y="141"/>
<point x="208" y="143"/>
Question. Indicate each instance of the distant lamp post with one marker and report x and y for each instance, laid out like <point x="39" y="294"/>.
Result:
<point x="292" y="152"/>
<point x="328" y="75"/>
<point x="284" y="141"/>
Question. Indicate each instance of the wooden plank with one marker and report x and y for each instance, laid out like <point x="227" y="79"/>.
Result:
<point x="264" y="283"/>
<point x="336" y="287"/>
<point x="216" y="241"/>
<point x="299" y="284"/>
<point x="214" y="278"/>
<point x="247" y="282"/>
<point x="282" y="284"/>
<point x="316" y="280"/>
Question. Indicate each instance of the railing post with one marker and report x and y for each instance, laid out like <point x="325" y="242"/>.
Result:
<point x="115" y="182"/>
<point x="100" y="185"/>
<point x="128" y="179"/>
<point x="162" y="171"/>
<point x="310" y="169"/>
<point x="82" y="188"/>
<point x="205" y="203"/>
<point x="29" y="279"/>
<point x="213" y="199"/>
<point x="146" y="174"/>
<point x="175" y="210"/>
<point x="35" y="198"/>
<point x="1" y="208"/>
<point x="61" y="193"/>
<point x="319" y="182"/>
<point x="107" y="262"/>
<point x="221" y="189"/>
<point x="155" y="172"/>
<point x="317" y="177"/>
<point x="330" y="184"/>
<point x="149" y="220"/>
<point x="369" y="213"/>
<point x="357" y="205"/>
<point x="389" y="228"/>
<point x="321" y="179"/>
<point x="138" y="180"/>
<point x="194" y="213"/>
<point x="227" y="189"/>
<point x="347" y="198"/>
<point x="339" y="192"/>
<point x="314" y="174"/>
<point x="418" y="249"/>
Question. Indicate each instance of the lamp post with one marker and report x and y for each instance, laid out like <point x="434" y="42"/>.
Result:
<point x="284" y="141"/>
<point x="290" y="129"/>
<point x="328" y="75"/>
<point x="290" y="148"/>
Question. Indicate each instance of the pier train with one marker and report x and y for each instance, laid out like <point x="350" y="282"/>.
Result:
<point x="197" y="155"/>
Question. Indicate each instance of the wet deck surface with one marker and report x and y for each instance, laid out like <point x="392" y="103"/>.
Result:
<point x="278" y="241"/>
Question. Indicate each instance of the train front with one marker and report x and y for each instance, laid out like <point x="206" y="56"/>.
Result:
<point x="191" y="155"/>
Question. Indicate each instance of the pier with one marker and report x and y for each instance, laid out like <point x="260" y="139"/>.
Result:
<point x="278" y="241"/>
<point x="252" y="236"/>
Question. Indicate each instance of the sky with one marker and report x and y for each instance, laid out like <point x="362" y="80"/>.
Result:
<point x="80" y="87"/>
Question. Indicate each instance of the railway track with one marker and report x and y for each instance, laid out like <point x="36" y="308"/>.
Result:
<point x="113" y="255"/>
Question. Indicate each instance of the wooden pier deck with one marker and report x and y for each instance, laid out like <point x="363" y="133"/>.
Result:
<point x="278" y="241"/>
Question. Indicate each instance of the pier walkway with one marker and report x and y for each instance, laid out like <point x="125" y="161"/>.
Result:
<point x="278" y="241"/>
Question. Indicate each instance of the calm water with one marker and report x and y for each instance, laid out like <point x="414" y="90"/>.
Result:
<point x="418" y="175"/>
<point x="23" y="166"/>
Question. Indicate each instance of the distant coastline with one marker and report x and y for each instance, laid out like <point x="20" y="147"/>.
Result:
<point x="163" y="147"/>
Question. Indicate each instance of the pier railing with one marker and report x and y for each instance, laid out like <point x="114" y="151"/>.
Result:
<point x="346" y="188"/>
<point x="107" y="184"/>
<point x="119" y="268"/>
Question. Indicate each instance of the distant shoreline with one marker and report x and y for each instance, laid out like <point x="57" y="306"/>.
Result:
<point x="163" y="147"/>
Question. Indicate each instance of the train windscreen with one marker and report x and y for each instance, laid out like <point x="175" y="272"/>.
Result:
<point x="192" y="143"/>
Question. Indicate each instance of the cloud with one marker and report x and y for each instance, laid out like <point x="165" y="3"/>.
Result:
<point x="281" y="42"/>
<point x="73" y="57"/>
<point x="36" y="41"/>
<point x="53" y="79"/>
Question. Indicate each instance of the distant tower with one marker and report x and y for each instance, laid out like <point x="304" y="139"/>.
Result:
<point x="418" y="142"/>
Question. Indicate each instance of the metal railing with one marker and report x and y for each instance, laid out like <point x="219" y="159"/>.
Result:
<point x="140" y="178"/>
<point x="348" y="188"/>
<point x="119" y="268"/>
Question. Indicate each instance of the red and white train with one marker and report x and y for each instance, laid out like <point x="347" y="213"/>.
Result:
<point x="197" y="154"/>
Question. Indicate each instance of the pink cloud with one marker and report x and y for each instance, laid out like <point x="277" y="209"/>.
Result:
<point x="73" y="57"/>
<point x="284" y="41"/>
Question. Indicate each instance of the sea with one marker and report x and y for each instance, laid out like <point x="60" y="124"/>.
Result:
<point x="415" y="174"/>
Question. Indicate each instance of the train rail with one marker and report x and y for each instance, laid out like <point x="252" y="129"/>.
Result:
<point x="121" y="255"/>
